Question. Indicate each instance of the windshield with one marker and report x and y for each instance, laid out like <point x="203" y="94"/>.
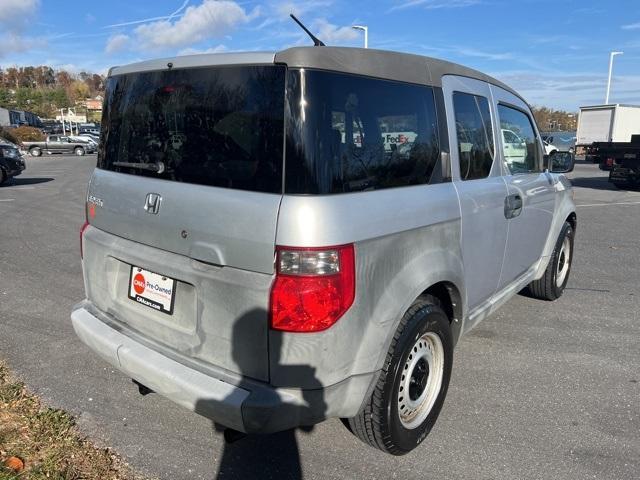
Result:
<point x="9" y="152"/>
<point x="217" y="126"/>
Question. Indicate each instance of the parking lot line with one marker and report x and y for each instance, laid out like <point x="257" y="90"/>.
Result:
<point x="6" y="199"/>
<point x="607" y="204"/>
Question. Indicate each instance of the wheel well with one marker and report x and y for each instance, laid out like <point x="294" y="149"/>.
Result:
<point x="449" y="298"/>
<point x="573" y="221"/>
<point x="451" y="302"/>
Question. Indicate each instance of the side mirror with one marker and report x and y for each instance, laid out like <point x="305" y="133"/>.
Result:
<point x="561" y="162"/>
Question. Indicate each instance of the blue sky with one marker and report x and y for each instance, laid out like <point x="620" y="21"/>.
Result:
<point x="555" y="53"/>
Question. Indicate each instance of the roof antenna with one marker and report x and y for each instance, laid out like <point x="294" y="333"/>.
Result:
<point x="316" y="41"/>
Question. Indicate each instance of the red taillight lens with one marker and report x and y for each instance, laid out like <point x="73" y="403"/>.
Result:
<point x="313" y="288"/>
<point x="82" y="229"/>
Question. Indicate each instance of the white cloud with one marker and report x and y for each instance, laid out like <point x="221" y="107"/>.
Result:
<point x="12" y="11"/>
<point x="279" y="12"/>
<point x="332" y="34"/>
<point x="13" y="17"/>
<point x="197" y="51"/>
<point x="436" y="4"/>
<point x="569" y="91"/>
<point x="116" y="43"/>
<point x="632" y="26"/>
<point x="211" y="19"/>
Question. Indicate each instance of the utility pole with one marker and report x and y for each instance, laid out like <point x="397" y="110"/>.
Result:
<point x="611" y="55"/>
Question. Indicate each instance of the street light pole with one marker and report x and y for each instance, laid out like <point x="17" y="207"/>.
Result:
<point x="611" y="55"/>
<point x="365" y="29"/>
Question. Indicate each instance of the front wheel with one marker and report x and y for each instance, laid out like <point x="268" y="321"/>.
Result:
<point x="79" y="151"/>
<point x="555" y="278"/>
<point x="35" y="152"/>
<point x="410" y="392"/>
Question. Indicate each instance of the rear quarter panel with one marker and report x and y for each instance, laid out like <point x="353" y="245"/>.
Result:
<point x="406" y="240"/>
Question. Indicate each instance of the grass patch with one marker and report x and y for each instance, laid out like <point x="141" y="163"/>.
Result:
<point x="48" y="442"/>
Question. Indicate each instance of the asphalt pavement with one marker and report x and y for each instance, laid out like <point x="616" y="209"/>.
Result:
<point x="539" y="390"/>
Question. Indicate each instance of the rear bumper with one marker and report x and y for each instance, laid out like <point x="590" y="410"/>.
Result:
<point x="241" y="404"/>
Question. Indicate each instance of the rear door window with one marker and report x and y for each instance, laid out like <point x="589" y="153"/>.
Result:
<point x="348" y="133"/>
<point x="475" y="135"/>
<point x="215" y="126"/>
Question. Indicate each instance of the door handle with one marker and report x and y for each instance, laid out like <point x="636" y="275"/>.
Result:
<point x="512" y="205"/>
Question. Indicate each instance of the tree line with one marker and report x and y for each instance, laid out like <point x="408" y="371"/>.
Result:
<point x="550" y="120"/>
<point x="44" y="90"/>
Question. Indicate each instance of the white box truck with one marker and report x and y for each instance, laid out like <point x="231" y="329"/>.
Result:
<point x="603" y="124"/>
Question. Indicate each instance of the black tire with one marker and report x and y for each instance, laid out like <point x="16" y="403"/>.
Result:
<point x="551" y="286"/>
<point x="79" y="151"/>
<point x="3" y="176"/>
<point x="35" y="152"/>
<point x="379" y="423"/>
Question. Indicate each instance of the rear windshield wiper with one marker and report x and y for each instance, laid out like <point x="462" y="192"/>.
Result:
<point x="154" y="167"/>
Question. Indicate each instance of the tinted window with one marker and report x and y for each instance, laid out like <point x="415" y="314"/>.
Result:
<point x="347" y="133"/>
<point x="519" y="145"/>
<point x="475" y="135"/>
<point x="212" y="126"/>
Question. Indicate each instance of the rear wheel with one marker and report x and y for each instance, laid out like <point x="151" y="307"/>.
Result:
<point x="35" y="152"/>
<point x="410" y="392"/>
<point x="555" y="278"/>
<point x="79" y="151"/>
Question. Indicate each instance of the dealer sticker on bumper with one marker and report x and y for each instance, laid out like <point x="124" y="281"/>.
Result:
<point x="152" y="290"/>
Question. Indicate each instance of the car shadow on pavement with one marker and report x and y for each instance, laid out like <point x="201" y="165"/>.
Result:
<point x="596" y="183"/>
<point x="29" y="181"/>
<point x="274" y="455"/>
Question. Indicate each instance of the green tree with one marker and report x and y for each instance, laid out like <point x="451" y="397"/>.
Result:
<point x="5" y="97"/>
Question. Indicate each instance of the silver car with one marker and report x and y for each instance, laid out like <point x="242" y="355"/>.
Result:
<point x="274" y="239"/>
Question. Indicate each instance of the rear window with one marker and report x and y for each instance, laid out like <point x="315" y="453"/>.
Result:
<point x="218" y="126"/>
<point x="347" y="133"/>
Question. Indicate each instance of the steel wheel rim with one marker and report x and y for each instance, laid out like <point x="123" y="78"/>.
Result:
<point x="421" y="380"/>
<point x="564" y="260"/>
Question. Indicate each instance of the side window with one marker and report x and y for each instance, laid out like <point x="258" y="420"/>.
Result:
<point x="519" y="146"/>
<point x="361" y="134"/>
<point x="475" y="135"/>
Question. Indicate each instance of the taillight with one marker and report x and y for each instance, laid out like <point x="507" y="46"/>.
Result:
<point x="82" y="229"/>
<point x="313" y="288"/>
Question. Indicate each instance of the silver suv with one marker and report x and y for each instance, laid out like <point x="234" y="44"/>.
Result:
<point x="276" y="239"/>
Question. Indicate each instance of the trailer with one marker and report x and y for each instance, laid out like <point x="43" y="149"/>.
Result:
<point x="601" y="124"/>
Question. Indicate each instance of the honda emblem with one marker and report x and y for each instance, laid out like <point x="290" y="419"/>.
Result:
<point x="152" y="203"/>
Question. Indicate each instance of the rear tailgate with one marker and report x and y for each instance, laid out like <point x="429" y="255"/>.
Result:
<point x="183" y="211"/>
<point x="214" y="225"/>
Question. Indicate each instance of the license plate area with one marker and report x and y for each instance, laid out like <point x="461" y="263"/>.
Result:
<point x="152" y="290"/>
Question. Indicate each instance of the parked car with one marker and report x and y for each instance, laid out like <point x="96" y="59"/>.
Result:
<point x="564" y="141"/>
<point x="59" y="144"/>
<point x="86" y="138"/>
<point x="12" y="163"/>
<point x="95" y="138"/>
<point x="269" y="263"/>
